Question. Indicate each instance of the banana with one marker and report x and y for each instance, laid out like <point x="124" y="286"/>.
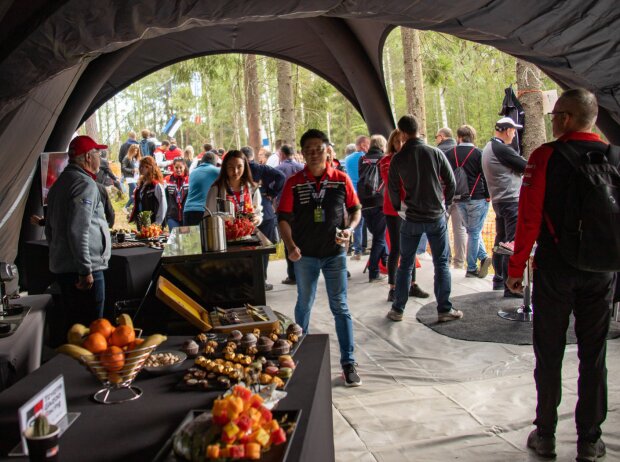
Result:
<point x="76" y="334"/>
<point x="124" y="320"/>
<point x="75" y="351"/>
<point x="154" y="339"/>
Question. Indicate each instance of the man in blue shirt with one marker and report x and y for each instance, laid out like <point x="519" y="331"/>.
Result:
<point x="289" y="166"/>
<point x="271" y="182"/>
<point x="200" y="181"/>
<point x="362" y="143"/>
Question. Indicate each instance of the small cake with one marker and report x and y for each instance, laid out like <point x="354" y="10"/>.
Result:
<point x="190" y="348"/>
<point x="248" y="340"/>
<point x="223" y="382"/>
<point x="285" y="372"/>
<point x="281" y="347"/>
<point x="287" y="363"/>
<point x="201" y="340"/>
<point x="264" y="344"/>
<point x="271" y="370"/>
<point x="235" y="336"/>
<point x="294" y="329"/>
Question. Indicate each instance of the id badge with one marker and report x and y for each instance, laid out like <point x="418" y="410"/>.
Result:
<point x="319" y="215"/>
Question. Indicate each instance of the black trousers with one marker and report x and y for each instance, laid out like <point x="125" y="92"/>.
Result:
<point x="505" y="227"/>
<point x="393" y="227"/>
<point x="588" y="296"/>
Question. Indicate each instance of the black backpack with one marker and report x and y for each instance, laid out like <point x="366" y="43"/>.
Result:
<point x="462" y="192"/>
<point x="369" y="185"/>
<point x="589" y="236"/>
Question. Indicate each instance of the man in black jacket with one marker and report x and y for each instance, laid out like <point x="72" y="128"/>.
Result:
<point x="420" y="169"/>
<point x="271" y="182"/>
<point x="474" y="205"/>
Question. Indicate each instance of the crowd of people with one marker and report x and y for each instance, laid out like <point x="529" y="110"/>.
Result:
<point x="403" y="191"/>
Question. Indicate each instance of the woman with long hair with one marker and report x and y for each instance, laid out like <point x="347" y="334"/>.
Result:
<point x="235" y="184"/>
<point x="188" y="155"/>
<point x="394" y="221"/>
<point x="150" y="194"/>
<point x="177" y="186"/>
<point x="129" y="168"/>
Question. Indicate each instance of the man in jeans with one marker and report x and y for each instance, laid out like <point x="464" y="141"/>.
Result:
<point x="503" y="168"/>
<point x="351" y="166"/>
<point x="417" y="168"/>
<point x="315" y="207"/>
<point x="474" y="205"/>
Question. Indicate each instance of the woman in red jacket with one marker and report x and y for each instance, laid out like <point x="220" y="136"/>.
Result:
<point x="177" y="186"/>
<point x="393" y="221"/>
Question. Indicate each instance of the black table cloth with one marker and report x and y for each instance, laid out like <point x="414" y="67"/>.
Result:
<point x="128" y="275"/>
<point x="136" y="430"/>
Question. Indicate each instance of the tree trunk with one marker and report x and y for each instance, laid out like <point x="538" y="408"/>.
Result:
<point x="414" y="80"/>
<point x="91" y="126"/>
<point x="530" y="95"/>
<point x="442" y="106"/>
<point x="207" y="92"/>
<point x="286" y="106"/>
<point x="252" y="102"/>
<point x="390" y="81"/>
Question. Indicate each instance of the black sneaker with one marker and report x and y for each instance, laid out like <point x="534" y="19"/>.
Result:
<point x="391" y="295"/>
<point x="415" y="291"/>
<point x="350" y="376"/>
<point x="471" y="274"/>
<point x="590" y="452"/>
<point x="268" y="287"/>
<point x="498" y="285"/>
<point x="289" y="281"/>
<point x="543" y="445"/>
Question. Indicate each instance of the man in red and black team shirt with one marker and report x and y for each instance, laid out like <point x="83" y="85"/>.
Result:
<point x="312" y="215"/>
<point x="559" y="288"/>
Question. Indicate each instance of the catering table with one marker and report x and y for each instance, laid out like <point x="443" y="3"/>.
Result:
<point x="20" y="353"/>
<point x="128" y="275"/>
<point x="136" y="430"/>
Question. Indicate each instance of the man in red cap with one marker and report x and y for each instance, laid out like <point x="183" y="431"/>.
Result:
<point x="78" y="234"/>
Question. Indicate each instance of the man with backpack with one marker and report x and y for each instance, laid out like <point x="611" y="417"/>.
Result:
<point x="471" y="197"/>
<point x="370" y="191"/>
<point x="147" y="147"/>
<point x="569" y="205"/>
<point x="503" y="167"/>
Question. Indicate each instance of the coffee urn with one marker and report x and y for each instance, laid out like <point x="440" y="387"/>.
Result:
<point x="213" y="233"/>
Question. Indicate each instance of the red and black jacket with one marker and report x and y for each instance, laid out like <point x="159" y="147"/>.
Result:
<point x="542" y="199"/>
<point x="176" y="194"/>
<point x="297" y="207"/>
<point x="144" y="198"/>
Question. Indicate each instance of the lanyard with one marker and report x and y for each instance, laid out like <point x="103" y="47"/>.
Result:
<point x="239" y="200"/>
<point x="317" y="191"/>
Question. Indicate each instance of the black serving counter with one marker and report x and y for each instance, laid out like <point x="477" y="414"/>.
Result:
<point x="136" y="430"/>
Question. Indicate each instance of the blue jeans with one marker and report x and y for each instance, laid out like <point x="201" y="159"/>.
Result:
<point x="422" y="245"/>
<point x="410" y="234"/>
<point x="81" y="306"/>
<point x="474" y="212"/>
<point x="357" y="237"/>
<point x="132" y="187"/>
<point x="375" y="220"/>
<point x="334" y="270"/>
<point x="173" y="223"/>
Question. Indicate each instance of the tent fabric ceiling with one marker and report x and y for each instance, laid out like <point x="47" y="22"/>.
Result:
<point x="105" y="45"/>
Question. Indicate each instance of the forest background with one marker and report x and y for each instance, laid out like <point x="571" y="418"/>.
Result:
<point x="229" y="99"/>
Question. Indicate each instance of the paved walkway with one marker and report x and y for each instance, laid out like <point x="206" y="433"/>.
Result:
<point x="430" y="398"/>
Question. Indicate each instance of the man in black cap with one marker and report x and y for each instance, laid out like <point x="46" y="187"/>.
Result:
<point x="78" y="234"/>
<point x="503" y="168"/>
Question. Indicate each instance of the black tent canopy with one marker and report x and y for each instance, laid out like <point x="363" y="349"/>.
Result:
<point x="61" y="60"/>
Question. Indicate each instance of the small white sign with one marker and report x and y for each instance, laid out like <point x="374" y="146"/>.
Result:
<point x="52" y="401"/>
<point x="549" y="99"/>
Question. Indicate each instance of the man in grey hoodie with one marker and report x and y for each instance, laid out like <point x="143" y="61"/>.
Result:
<point x="77" y="233"/>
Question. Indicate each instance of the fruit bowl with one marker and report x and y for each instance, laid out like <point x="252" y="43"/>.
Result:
<point x="116" y="371"/>
<point x="238" y="228"/>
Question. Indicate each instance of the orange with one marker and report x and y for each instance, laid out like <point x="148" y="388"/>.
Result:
<point x="113" y="359"/>
<point x="135" y="344"/>
<point x="122" y="336"/>
<point x="103" y="326"/>
<point x="95" y="343"/>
